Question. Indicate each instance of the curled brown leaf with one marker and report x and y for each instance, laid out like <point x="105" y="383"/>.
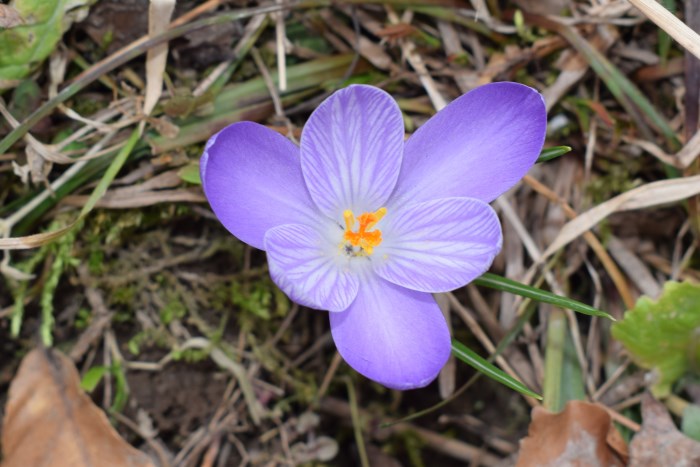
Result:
<point x="582" y="435"/>
<point x="50" y="421"/>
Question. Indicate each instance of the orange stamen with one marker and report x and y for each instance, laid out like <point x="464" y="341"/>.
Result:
<point x="365" y="237"/>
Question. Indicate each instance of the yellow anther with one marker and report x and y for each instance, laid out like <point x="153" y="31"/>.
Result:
<point x="378" y="214"/>
<point x="349" y="219"/>
<point x="365" y="238"/>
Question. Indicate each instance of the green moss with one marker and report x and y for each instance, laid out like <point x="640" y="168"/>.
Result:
<point x="175" y="309"/>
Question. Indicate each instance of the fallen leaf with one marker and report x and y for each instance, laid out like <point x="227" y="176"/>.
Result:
<point x="582" y="435"/>
<point x="50" y="421"/>
<point x="659" y="442"/>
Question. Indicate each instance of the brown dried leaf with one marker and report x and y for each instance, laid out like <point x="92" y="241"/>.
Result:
<point x="50" y="421"/>
<point x="581" y="435"/>
<point x="9" y="17"/>
<point x="659" y="442"/>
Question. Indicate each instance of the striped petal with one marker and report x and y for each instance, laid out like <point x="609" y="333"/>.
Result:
<point x="307" y="266"/>
<point x="351" y="150"/>
<point x="479" y="146"/>
<point x="392" y="335"/>
<point x="252" y="178"/>
<point x="438" y="245"/>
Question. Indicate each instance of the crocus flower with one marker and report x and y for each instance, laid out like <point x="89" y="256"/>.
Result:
<point x="362" y="224"/>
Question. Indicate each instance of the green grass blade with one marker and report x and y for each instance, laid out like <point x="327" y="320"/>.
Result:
<point x="548" y="154"/>
<point x="486" y="368"/>
<point x="507" y="285"/>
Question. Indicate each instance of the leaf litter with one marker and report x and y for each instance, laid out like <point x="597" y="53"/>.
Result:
<point x="151" y="293"/>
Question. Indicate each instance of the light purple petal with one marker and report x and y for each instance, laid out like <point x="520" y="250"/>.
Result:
<point x="351" y="150"/>
<point x="392" y="335"/>
<point x="438" y="245"/>
<point x="252" y="178"/>
<point x="309" y="268"/>
<point x="478" y="146"/>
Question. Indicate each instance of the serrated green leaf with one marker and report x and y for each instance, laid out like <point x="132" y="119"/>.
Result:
<point x="483" y="366"/>
<point x="190" y="173"/>
<point x="664" y="335"/>
<point x="503" y="284"/>
<point x="26" y="46"/>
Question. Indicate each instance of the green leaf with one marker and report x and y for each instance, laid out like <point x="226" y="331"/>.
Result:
<point x="507" y="285"/>
<point x="548" y="154"/>
<point x="25" y="47"/>
<point x="690" y="425"/>
<point x="485" y="367"/>
<point x="190" y="173"/>
<point x="92" y="378"/>
<point x="664" y="335"/>
<point x="121" y="387"/>
<point x="664" y="40"/>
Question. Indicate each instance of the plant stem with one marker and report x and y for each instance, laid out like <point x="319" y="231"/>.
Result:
<point x="554" y="360"/>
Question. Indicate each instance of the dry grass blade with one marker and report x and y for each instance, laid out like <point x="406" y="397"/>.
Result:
<point x="669" y="23"/>
<point x="649" y="195"/>
<point x="681" y="160"/>
<point x="159" y="15"/>
<point x="50" y="421"/>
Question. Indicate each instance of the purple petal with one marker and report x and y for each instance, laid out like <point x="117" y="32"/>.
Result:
<point x="309" y="268"/>
<point x="479" y="146"/>
<point x="252" y="178"/>
<point x="351" y="150"/>
<point x="392" y="335"/>
<point x="438" y="245"/>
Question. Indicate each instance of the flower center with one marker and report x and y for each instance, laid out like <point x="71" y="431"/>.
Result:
<point x="365" y="238"/>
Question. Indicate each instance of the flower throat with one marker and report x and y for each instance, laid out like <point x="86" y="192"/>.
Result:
<point x="365" y="238"/>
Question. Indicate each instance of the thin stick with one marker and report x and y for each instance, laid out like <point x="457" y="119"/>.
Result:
<point x="281" y="37"/>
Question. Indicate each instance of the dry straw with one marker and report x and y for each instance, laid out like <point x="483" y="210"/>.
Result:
<point x="669" y="23"/>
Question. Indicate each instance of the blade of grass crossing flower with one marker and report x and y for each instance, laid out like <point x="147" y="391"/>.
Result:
<point x="485" y="367"/>
<point x="503" y="284"/>
<point x="548" y="154"/>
